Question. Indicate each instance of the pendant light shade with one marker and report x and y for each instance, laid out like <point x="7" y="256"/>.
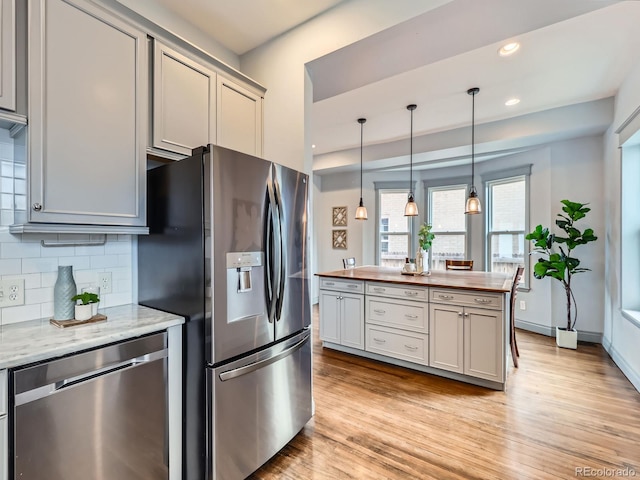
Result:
<point x="411" y="209"/>
<point x="361" y="211"/>
<point x="473" y="202"/>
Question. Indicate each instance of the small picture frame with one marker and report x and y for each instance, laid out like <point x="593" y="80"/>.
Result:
<point x="340" y="239"/>
<point x="339" y="216"/>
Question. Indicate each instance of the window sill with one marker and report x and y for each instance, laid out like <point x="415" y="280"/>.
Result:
<point x="633" y="316"/>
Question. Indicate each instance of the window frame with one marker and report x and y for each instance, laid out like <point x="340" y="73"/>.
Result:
<point x="393" y="187"/>
<point x="462" y="181"/>
<point x="498" y="178"/>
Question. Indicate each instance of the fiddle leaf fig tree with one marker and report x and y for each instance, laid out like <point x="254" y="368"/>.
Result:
<point x="560" y="264"/>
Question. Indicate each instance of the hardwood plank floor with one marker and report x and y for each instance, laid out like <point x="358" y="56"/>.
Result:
<point x="562" y="410"/>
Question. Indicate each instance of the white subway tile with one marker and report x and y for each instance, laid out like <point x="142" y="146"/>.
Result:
<point x="20" y="314"/>
<point x="39" y="265"/>
<point x="38" y="295"/>
<point x="6" y="237"/>
<point x="115" y="299"/>
<point x="57" y="251"/>
<point x="46" y="310"/>
<point x="48" y="279"/>
<point x="85" y="276"/>
<point x="90" y="250"/>
<point x="74" y="237"/>
<point x="124" y="261"/>
<point x="104" y="261"/>
<point x="119" y="274"/>
<point x="10" y="266"/>
<point x="36" y="237"/>
<point x="124" y="238"/>
<point x="31" y="280"/>
<point x="78" y="263"/>
<point x="7" y="217"/>
<point x="20" y="250"/>
<point x="115" y="248"/>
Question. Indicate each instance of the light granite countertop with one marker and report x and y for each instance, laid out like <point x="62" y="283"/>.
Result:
<point x="32" y="341"/>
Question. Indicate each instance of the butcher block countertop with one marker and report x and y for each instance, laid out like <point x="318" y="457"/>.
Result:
<point x="467" y="280"/>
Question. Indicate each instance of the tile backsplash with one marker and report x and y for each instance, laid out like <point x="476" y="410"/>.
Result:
<point x="24" y="257"/>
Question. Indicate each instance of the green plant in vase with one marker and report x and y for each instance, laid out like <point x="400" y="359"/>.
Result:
<point x="83" y="310"/>
<point x="560" y="264"/>
<point x="425" y="239"/>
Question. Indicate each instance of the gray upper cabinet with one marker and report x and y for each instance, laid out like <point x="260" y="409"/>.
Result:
<point x="184" y="115"/>
<point x="239" y="115"/>
<point x="88" y="116"/>
<point x="8" y="55"/>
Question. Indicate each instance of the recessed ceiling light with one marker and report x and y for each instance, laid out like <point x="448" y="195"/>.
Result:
<point x="509" y="49"/>
<point x="512" y="101"/>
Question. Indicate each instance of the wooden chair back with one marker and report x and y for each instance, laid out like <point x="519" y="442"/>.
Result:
<point x="515" y="353"/>
<point x="349" y="262"/>
<point x="458" y="264"/>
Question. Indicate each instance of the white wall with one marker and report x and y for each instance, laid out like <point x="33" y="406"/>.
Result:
<point x="570" y="169"/>
<point x="621" y="336"/>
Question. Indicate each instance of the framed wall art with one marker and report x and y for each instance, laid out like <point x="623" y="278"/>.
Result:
<point x="339" y="216"/>
<point x="340" y="239"/>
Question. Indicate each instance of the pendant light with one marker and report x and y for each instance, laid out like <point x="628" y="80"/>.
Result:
<point x="473" y="202"/>
<point x="411" y="209"/>
<point x="361" y="211"/>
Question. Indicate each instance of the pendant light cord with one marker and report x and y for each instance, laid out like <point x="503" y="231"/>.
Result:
<point x="361" y="137"/>
<point x="473" y="138"/>
<point x="411" y="157"/>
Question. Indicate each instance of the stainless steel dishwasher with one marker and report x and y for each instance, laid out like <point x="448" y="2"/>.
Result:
<point x="96" y="415"/>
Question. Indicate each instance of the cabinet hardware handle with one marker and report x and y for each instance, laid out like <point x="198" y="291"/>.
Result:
<point x="329" y="283"/>
<point x="445" y="297"/>
<point x="37" y="207"/>
<point x="410" y="316"/>
<point x="459" y="314"/>
<point x="352" y="286"/>
<point x="340" y="297"/>
<point x="466" y="314"/>
<point x="410" y="293"/>
<point x="380" y="311"/>
<point x="378" y="289"/>
<point x="379" y="340"/>
<point x="409" y="347"/>
<point x="482" y="300"/>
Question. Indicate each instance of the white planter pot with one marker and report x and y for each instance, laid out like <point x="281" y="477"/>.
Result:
<point x="566" y="338"/>
<point x="83" y="312"/>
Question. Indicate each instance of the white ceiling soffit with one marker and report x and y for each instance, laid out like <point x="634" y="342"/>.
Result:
<point x="242" y="25"/>
<point x="574" y="61"/>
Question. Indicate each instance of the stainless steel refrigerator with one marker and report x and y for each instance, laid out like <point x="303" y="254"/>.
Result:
<point x="228" y="249"/>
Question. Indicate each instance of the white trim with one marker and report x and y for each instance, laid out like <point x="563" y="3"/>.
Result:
<point x="583" y="336"/>
<point x="625" y="368"/>
<point x="632" y="315"/>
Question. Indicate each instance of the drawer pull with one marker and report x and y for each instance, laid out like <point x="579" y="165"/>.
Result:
<point x="445" y="297"/>
<point x="410" y="293"/>
<point x="379" y="340"/>
<point x="379" y="289"/>
<point x="351" y="285"/>
<point x="331" y="284"/>
<point x="409" y="347"/>
<point x="381" y="312"/>
<point x="483" y="300"/>
<point x="459" y="314"/>
<point x="412" y="317"/>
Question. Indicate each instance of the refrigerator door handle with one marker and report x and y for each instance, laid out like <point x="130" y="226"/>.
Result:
<point x="252" y="367"/>
<point x="282" y="260"/>
<point x="270" y="247"/>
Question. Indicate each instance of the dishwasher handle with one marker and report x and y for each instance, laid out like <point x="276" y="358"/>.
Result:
<point x="46" y="390"/>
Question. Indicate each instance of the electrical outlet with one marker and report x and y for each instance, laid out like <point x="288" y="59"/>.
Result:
<point x="523" y="305"/>
<point x="11" y="293"/>
<point x="104" y="282"/>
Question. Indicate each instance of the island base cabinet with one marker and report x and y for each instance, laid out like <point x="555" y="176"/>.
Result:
<point x="446" y="341"/>
<point x="404" y="345"/>
<point x="483" y="340"/>
<point x="342" y="318"/>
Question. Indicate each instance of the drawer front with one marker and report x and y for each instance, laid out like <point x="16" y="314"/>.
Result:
<point x="3" y="392"/>
<point x="355" y="286"/>
<point x="458" y="297"/>
<point x="399" y="291"/>
<point x="397" y="313"/>
<point x="412" y="347"/>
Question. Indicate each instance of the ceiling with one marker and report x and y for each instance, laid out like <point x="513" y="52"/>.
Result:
<point x="574" y="54"/>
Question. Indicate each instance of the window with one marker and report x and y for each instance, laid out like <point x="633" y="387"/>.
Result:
<point x="446" y="215"/>
<point x="507" y="221"/>
<point x="394" y="230"/>
<point x="630" y="234"/>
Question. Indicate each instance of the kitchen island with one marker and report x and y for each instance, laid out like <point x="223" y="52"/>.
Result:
<point x="448" y="323"/>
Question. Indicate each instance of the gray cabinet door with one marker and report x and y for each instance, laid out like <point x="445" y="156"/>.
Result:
<point x="446" y="337"/>
<point x="239" y="118"/>
<point x="8" y="55"/>
<point x="88" y="98"/>
<point x="352" y="321"/>
<point x="184" y="114"/>
<point x="483" y="344"/>
<point x="330" y="313"/>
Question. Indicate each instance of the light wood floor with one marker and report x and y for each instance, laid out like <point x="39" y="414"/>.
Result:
<point x="562" y="410"/>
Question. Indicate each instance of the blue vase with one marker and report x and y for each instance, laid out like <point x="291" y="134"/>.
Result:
<point x="63" y="290"/>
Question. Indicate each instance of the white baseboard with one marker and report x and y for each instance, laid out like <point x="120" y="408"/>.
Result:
<point x="629" y="372"/>
<point x="315" y="300"/>
<point x="591" y="337"/>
